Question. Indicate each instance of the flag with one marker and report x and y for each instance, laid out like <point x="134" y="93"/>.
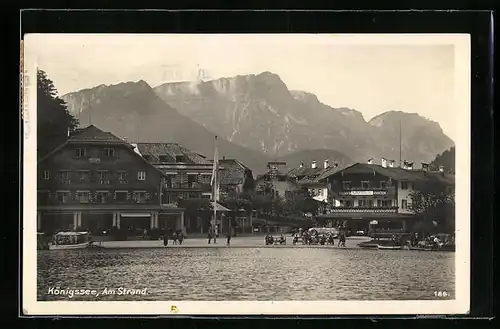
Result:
<point x="215" y="178"/>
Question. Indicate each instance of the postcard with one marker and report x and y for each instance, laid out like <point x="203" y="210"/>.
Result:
<point x="221" y="174"/>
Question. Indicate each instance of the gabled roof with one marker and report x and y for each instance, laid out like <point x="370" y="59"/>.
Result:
<point x="394" y="173"/>
<point x="168" y="153"/>
<point x="93" y="134"/>
<point x="233" y="172"/>
<point x="88" y="135"/>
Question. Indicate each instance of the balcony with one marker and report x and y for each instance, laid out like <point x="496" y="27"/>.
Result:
<point x="185" y="186"/>
<point x="365" y="191"/>
<point x="104" y="182"/>
<point x="64" y="181"/>
<point x="390" y="210"/>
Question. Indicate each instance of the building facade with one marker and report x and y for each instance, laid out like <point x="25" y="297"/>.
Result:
<point x="235" y="178"/>
<point x="96" y="181"/>
<point x="366" y="194"/>
<point x="187" y="175"/>
<point x="275" y="183"/>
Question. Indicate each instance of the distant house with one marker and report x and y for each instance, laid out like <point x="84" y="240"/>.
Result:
<point x="308" y="179"/>
<point x="276" y="183"/>
<point x="235" y="178"/>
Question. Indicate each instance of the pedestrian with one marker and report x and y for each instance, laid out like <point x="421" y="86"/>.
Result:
<point x="165" y="239"/>
<point x="209" y="236"/>
<point x="228" y="239"/>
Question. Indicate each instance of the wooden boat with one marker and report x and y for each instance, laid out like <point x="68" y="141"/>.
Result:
<point x="70" y="240"/>
<point x="389" y="247"/>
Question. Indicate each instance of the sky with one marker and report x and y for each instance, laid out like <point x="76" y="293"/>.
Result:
<point x="369" y="74"/>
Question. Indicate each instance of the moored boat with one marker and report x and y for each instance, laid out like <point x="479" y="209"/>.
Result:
<point x="388" y="247"/>
<point x="70" y="240"/>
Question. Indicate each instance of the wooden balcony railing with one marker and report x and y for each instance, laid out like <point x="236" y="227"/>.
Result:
<point x="391" y="209"/>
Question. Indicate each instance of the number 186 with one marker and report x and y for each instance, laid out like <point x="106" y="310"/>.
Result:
<point x="440" y="294"/>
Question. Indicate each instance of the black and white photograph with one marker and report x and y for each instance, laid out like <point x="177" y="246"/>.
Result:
<point x="246" y="174"/>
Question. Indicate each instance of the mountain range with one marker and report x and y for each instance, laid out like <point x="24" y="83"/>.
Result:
<point x="257" y="119"/>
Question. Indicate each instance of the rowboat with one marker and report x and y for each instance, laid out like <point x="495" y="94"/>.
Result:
<point x="389" y="247"/>
<point x="70" y="240"/>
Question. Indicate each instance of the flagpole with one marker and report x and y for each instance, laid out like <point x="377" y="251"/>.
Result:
<point x="214" y="188"/>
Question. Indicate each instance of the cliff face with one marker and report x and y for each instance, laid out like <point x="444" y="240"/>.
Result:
<point x="257" y="118"/>
<point x="259" y="112"/>
<point x="134" y="111"/>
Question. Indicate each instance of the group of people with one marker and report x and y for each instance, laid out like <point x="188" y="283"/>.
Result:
<point x="269" y="239"/>
<point x="177" y="237"/>
<point x="434" y="241"/>
<point x="313" y="238"/>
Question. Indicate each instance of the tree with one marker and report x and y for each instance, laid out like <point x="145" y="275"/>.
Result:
<point x="53" y="119"/>
<point x="434" y="203"/>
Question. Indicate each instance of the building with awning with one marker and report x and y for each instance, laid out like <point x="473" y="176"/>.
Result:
<point x="381" y="194"/>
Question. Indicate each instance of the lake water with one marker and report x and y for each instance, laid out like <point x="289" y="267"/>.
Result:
<point x="247" y="274"/>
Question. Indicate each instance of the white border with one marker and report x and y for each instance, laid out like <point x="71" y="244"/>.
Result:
<point x="460" y="305"/>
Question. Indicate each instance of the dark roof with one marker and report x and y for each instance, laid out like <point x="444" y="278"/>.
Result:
<point x="91" y="134"/>
<point x="300" y="172"/>
<point x="153" y="151"/>
<point x="233" y="172"/>
<point x="396" y="173"/>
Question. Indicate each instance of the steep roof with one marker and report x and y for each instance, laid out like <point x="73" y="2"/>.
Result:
<point x="94" y="135"/>
<point x="168" y="153"/>
<point x="394" y="173"/>
<point x="233" y="172"/>
<point x="89" y="135"/>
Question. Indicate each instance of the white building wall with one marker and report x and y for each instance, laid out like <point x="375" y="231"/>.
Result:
<point x="404" y="194"/>
<point x="322" y="197"/>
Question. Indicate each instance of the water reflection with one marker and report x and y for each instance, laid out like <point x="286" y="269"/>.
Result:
<point x="248" y="274"/>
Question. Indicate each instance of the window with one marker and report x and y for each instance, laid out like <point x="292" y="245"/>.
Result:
<point x="347" y="203"/>
<point x="386" y="203"/>
<point x="370" y="203"/>
<point x="179" y="158"/>
<point x="362" y="203"/>
<point x="83" y="175"/>
<point x="163" y="158"/>
<point x="139" y="196"/>
<point x="365" y="184"/>
<point x="62" y="196"/>
<point x="383" y="184"/>
<point x="103" y="177"/>
<point x="102" y="196"/>
<point x="404" y="185"/>
<point x="122" y="177"/>
<point x="379" y="203"/>
<point x="121" y="196"/>
<point x="108" y="152"/>
<point x="64" y="176"/>
<point x="206" y="196"/>
<point x="81" y="152"/>
<point x="141" y="175"/>
<point x="404" y="204"/>
<point x="46" y="174"/>
<point x="82" y="196"/>
<point x="346" y="184"/>
<point x="320" y="192"/>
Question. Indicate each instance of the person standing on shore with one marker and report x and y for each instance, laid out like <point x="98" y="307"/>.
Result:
<point x="165" y="239"/>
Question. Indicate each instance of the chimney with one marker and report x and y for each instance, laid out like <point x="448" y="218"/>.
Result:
<point x="313" y="165"/>
<point x="384" y="162"/>
<point x="326" y="164"/>
<point x="335" y="165"/>
<point x="391" y="163"/>
<point x="425" y="166"/>
<point x="409" y="165"/>
<point x="441" y="168"/>
<point x="301" y="165"/>
<point x="370" y="161"/>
